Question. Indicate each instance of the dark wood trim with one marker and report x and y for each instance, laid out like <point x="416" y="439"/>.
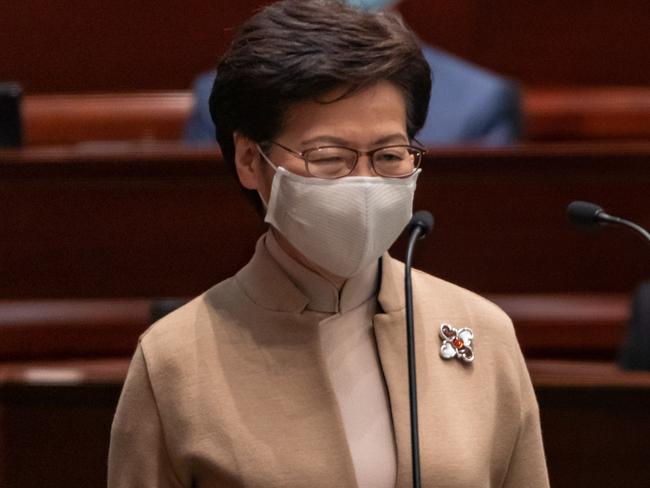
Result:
<point x="553" y="113"/>
<point x="562" y="326"/>
<point x="545" y="374"/>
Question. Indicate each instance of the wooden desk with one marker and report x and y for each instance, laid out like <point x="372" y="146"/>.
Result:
<point x="570" y="326"/>
<point x="73" y="118"/>
<point x="595" y="423"/>
<point x="165" y="220"/>
<point x="550" y="114"/>
<point x="58" y="412"/>
<point x="54" y="428"/>
<point x="587" y="113"/>
<point x="546" y="374"/>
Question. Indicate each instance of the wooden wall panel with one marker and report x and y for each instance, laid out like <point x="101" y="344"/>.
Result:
<point x="596" y="437"/>
<point x="146" y="221"/>
<point x="548" y="42"/>
<point x="82" y="45"/>
<point x="57" y="435"/>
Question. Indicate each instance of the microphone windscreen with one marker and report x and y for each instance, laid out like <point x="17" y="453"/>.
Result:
<point x="583" y="214"/>
<point x="422" y="219"/>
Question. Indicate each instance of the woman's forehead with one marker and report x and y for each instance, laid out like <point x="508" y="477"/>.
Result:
<point x="374" y="112"/>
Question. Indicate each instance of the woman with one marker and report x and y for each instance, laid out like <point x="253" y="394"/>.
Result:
<point x="292" y="373"/>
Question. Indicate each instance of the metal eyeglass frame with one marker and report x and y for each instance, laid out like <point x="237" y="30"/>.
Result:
<point x="419" y="152"/>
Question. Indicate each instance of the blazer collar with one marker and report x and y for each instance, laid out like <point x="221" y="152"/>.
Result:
<point x="391" y="291"/>
<point x="324" y="296"/>
<point x="267" y="285"/>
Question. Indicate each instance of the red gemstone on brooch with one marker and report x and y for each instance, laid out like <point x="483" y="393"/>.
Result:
<point x="458" y="343"/>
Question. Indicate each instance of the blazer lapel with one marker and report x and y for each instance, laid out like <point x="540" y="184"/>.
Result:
<point x="446" y="402"/>
<point x="390" y="333"/>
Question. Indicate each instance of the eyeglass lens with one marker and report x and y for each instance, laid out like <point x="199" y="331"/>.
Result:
<point x="334" y="162"/>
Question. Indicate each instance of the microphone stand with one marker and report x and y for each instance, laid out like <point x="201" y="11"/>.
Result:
<point x="410" y="340"/>
<point x="613" y="220"/>
<point x="420" y="226"/>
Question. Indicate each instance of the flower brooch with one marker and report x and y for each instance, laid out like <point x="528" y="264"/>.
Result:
<point x="456" y="343"/>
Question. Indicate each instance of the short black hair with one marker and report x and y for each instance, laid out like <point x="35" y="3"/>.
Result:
<point x="298" y="50"/>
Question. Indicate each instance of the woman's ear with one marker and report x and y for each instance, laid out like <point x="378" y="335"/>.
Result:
<point x="247" y="162"/>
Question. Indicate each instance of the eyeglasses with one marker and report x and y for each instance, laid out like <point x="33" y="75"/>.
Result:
<point x="331" y="162"/>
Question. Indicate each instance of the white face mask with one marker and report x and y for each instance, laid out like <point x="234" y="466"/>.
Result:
<point x="341" y="225"/>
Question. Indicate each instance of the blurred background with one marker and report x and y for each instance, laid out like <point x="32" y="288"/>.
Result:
<point x="88" y="46"/>
<point x="112" y="214"/>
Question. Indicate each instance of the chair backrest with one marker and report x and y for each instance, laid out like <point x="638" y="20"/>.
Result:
<point x="635" y="353"/>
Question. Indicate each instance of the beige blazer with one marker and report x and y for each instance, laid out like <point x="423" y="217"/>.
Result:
<point x="231" y="391"/>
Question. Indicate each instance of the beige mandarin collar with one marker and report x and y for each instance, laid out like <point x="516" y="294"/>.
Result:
<point x="268" y="285"/>
<point x="324" y="296"/>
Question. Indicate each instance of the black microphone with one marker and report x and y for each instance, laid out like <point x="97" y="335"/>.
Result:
<point x="586" y="215"/>
<point x="423" y="221"/>
<point x="419" y="227"/>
